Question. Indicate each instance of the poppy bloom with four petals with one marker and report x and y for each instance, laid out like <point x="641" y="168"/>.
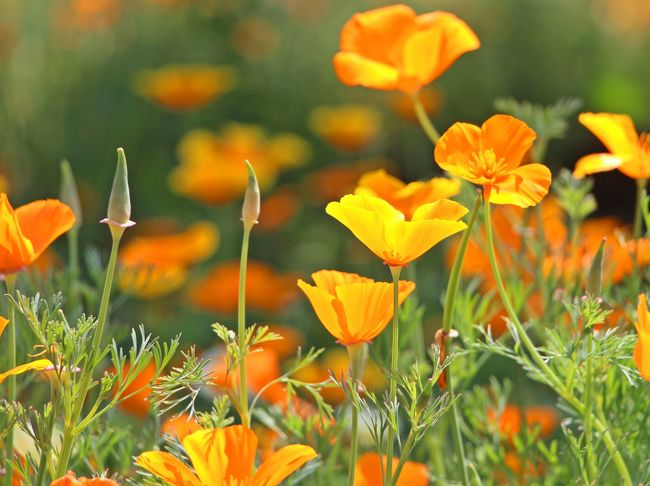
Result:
<point x="393" y="48"/>
<point x="387" y="233"/>
<point x="225" y="456"/>
<point x="629" y="152"/>
<point x="490" y="156"/>
<point x="354" y="309"/>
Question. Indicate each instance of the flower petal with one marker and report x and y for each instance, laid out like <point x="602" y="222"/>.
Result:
<point x="417" y="237"/>
<point x="525" y="186"/>
<point x="16" y="251"/>
<point x="38" y="365"/>
<point x="355" y="70"/>
<point x="207" y="451"/>
<point x="282" y="463"/>
<point x="441" y="209"/>
<point x="241" y="446"/>
<point x="509" y="137"/>
<point x="328" y="280"/>
<point x="44" y="221"/>
<point x="3" y="324"/>
<point x="617" y="132"/>
<point x="323" y="304"/>
<point x="590" y="164"/>
<point x="165" y="466"/>
<point x="456" y="146"/>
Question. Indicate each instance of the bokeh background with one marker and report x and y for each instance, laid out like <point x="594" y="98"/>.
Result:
<point x="73" y="85"/>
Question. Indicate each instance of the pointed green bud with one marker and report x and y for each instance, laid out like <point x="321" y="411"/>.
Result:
<point x="69" y="192"/>
<point x="119" y="204"/>
<point x="595" y="275"/>
<point x="251" y="208"/>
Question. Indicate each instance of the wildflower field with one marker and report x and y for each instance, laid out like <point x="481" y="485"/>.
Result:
<point x="324" y="242"/>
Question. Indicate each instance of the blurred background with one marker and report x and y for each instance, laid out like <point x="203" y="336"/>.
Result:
<point x="190" y="88"/>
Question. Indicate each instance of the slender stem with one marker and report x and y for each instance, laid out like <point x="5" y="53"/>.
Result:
<point x="588" y="413"/>
<point x="241" y="327"/>
<point x="10" y="280"/>
<point x="423" y="118"/>
<point x="638" y="230"/>
<point x="392" y="394"/>
<point x="447" y="315"/>
<point x="357" y="357"/>
<point x="106" y="293"/>
<point x="408" y="445"/>
<point x="546" y="371"/>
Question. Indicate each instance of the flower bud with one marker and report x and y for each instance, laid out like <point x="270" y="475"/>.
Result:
<point x="119" y="204"/>
<point x="69" y="192"/>
<point x="251" y="208"/>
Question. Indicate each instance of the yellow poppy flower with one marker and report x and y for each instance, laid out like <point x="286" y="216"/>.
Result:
<point x="385" y="231"/>
<point x="225" y="456"/>
<point x="352" y="308"/>
<point x="490" y="156"/>
<point x="642" y="348"/>
<point x="406" y="198"/>
<point x="629" y="152"/>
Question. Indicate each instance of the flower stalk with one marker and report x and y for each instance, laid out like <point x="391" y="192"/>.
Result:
<point x="10" y="281"/>
<point x="358" y="355"/>
<point x="424" y="120"/>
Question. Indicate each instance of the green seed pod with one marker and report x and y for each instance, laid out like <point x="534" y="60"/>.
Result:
<point x="119" y="204"/>
<point x="251" y="207"/>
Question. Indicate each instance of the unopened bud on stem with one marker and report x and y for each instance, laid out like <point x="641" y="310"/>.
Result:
<point x="251" y="208"/>
<point x="119" y="204"/>
<point x="69" y="192"/>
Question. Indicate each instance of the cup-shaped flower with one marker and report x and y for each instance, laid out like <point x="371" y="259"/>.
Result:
<point x="387" y="233"/>
<point x="490" y="156"/>
<point x="392" y="48"/>
<point x="406" y="197"/>
<point x="29" y="230"/>
<point x="629" y="152"/>
<point x="225" y="456"/>
<point x="642" y="348"/>
<point x="352" y="308"/>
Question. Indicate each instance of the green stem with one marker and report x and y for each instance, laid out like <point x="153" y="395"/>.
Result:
<point x="408" y="445"/>
<point x="638" y="231"/>
<point x="10" y="280"/>
<point x="392" y="394"/>
<point x="588" y="413"/>
<point x="423" y="118"/>
<point x="241" y="327"/>
<point x="357" y="357"/>
<point x="546" y="371"/>
<point x="447" y="315"/>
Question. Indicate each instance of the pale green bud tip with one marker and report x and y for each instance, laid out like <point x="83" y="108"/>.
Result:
<point x="119" y="204"/>
<point x="251" y="208"/>
<point x="69" y="192"/>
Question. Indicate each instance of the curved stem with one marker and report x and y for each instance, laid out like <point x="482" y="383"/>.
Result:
<point x="10" y="280"/>
<point x="241" y="328"/>
<point x="423" y="118"/>
<point x="392" y="394"/>
<point x="544" y="368"/>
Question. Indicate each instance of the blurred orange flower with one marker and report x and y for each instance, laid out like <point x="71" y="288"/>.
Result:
<point x="154" y="266"/>
<point x="184" y="87"/>
<point x="278" y="209"/>
<point x="406" y="198"/>
<point x="391" y="48"/>
<point x="346" y="127"/>
<point x="225" y="456"/>
<point x="288" y="345"/>
<point x="89" y="15"/>
<point x="335" y="181"/>
<point x="629" y="152"/>
<point x="266" y="290"/>
<point x="137" y="404"/>
<point x="29" y="230"/>
<point x="352" y="308"/>
<point x="71" y="479"/>
<point x="180" y="426"/>
<point x="384" y="230"/>
<point x="642" y="348"/>
<point x="538" y="418"/>
<point x="491" y="155"/>
<point x="430" y="97"/>
<point x="212" y="168"/>
<point x="369" y="468"/>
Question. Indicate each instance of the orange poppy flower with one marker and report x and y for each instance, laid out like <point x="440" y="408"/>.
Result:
<point x="278" y="209"/>
<point x="184" y="87"/>
<point x="29" y="230"/>
<point x="430" y="97"/>
<point x="71" y="479"/>
<point x="352" y="308"/>
<point x="510" y="420"/>
<point x="212" y="168"/>
<point x="642" y="348"/>
<point x="393" y="48"/>
<point x="369" y="467"/>
<point x="491" y="155"/>
<point x="385" y="231"/>
<point x="154" y="266"/>
<point x="406" y="198"/>
<point x="335" y="181"/>
<point x="266" y="290"/>
<point x="629" y="152"/>
<point x="225" y="456"/>
<point x="138" y="404"/>
<point x="346" y="127"/>
<point x="180" y="425"/>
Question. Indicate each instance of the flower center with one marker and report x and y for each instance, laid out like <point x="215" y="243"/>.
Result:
<point x="485" y="164"/>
